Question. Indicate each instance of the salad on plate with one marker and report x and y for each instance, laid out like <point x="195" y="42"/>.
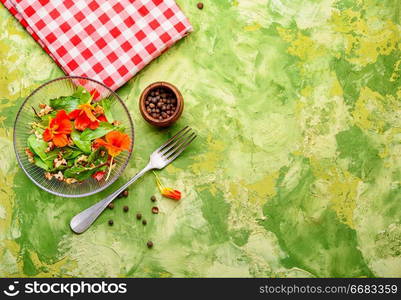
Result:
<point x="75" y="137"/>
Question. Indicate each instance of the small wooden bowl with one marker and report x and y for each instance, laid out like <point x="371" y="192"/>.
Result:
<point x="170" y="120"/>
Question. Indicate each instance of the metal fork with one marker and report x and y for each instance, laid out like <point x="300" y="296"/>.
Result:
<point x="160" y="158"/>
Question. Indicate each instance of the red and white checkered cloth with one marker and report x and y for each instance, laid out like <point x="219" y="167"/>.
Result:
<point x="107" y="40"/>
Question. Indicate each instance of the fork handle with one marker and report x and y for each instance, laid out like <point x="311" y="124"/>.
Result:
<point x="84" y="219"/>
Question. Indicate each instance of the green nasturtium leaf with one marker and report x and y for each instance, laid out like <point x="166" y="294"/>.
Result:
<point x="74" y="171"/>
<point x="37" y="146"/>
<point x="103" y="129"/>
<point x="106" y="104"/>
<point x="59" y="168"/>
<point x="85" y="146"/>
<point x="52" y="154"/>
<point x="94" y="155"/>
<point x="84" y="175"/>
<point x="46" y="165"/>
<point x="80" y="173"/>
<point x="95" y="162"/>
<point x="102" y="168"/>
<point x="96" y="158"/>
<point x="70" y="153"/>
<point x="68" y="103"/>
<point x="101" y="159"/>
<point x="82" y="94"/>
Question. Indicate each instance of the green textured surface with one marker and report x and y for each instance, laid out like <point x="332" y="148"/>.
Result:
<point x="296" y="171"/>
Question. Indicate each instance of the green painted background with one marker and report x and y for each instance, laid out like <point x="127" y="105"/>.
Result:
<point x="296" y="171"/>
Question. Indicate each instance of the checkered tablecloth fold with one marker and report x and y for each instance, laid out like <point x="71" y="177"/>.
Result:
<point x="107" y="40"/>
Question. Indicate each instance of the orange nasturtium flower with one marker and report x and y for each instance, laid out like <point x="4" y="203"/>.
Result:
<point x="167" y="192"/>
<point x="58" y="129"/>
<point x="115" y="142"/>
<point x="171" y="193"/>
<point x="85" y="118"/>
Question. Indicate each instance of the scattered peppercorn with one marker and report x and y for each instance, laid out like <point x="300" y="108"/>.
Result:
<point x="200" y="5"/>
<point x="153" y="199"/>
<point x="111" y="205"/>
<point x="156" y="100"/>
<point x="155" y="210"/>
<point x="138" y="216"/>
<point x="125" y="193"/>
<point x="149" y="244"/>
<point x="144" y="222"/>
<point x="111" y="222"/>
<point x="120" y="195"/>
<point x="125" y="208"/>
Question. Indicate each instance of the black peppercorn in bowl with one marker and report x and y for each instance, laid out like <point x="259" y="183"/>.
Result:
<point x="161" y="104"/>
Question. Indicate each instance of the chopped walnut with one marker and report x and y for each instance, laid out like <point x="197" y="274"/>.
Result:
<point x="59" y="176"/>
<point x="30" y="155"/>
<point x="42" y="105"/>
<point x="50" y="146"/>
<point x="70" y="180"/>
<point x="59" y="162"/>
<point x="45" y="110"/>
<point x="38" y="135"/>
<point x="33" y="125"/>
<point x="82" y="158"/>
<point x="60" y="155"/>
<point x="102" y="153"/>
<point x="116" y="123"/>
<point x="48" y="175"/>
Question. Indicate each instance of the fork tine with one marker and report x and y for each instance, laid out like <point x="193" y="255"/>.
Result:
<point x="172" y="138"/>
<point x="174" y="144"/>
<point x="171" y="158"/>
<point x="177" y="145"/>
